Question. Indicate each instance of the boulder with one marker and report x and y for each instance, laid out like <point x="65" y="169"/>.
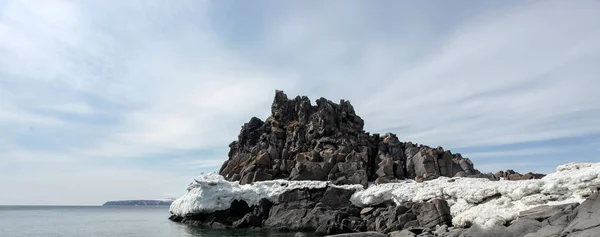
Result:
<point x="432" y="213"/>
<point x="586" y="217"/>
<point x="367" y="210"/>
<point x="403" y="219"/>
<point x="337" y="198"/>
<point x="424" y="164"/>
<point x="524" y="226"/>
<point x="541" y="213"/>
<point x="351" y="172"/>
<point x="310" y="170"/>
<point x="321" y="216"/>
<point x="292" y="207"/>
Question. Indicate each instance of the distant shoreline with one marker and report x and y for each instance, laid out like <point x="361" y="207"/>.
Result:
<point x="159" y="202"/>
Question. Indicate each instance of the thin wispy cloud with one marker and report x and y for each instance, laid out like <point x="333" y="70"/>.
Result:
<point x="157" y="90"/>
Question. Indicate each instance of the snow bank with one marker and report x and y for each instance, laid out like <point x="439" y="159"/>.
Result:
<point x="471" y="200"/>
<point x="488" y="203"/>
<point x="211" y="192"/>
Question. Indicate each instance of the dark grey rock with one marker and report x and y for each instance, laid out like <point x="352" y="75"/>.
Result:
<point x="544" y="212"/>
<point x="591" y="232"/>
<point x="176" y="218"/>
<point x="586" y="217"/>
<point x="362" y="234"/>
<point x="402" y="233"/>
<point x="432" y="213"/>
<point x="403" y="219"/>
<point x="367" y="210"/>
<point x="309" y="170"/>
<point x="413" y="223"/>
<point x="441" y="230"/>
<point x="320" y="216"/>
<point x="249" y="220"/>
<point x="326" y="141"/>
<point x="521" y="227"/>
<point x="337" y="198"/>
<point x="512" y="175"/>
<point x="478" y="231"/>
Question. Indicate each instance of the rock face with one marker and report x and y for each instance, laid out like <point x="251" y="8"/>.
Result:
<point x="326" y="142"/>
<point x="512" y="175"/>
<point x="325" y="211"/>
<point x="239" y="215"/>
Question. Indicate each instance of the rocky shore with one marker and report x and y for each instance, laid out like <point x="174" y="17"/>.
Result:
<point x="314" y="169"/>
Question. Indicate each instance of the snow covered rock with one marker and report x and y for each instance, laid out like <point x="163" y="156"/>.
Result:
<point x="405" y="204"/>
<point x="488" y="203"/>
<point x="211" y="192"/>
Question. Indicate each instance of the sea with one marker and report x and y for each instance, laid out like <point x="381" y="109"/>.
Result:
<point x="103" y="221"/>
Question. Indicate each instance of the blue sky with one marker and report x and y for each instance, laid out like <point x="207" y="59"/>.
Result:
<point x="105" y="100"/>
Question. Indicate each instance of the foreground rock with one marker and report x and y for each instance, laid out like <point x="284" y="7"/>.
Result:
<point x="324" y="211"/>
<point x="572" y="220"/>
<point x="441" y="207"/>
<point x="326" y="142"/>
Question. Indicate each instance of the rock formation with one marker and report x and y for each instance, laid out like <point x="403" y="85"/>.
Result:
<point x="324" y="211"/>
<point x="326" y="142"/>
<point x="512" y="175"/>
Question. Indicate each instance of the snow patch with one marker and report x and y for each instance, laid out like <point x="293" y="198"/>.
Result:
<point x="471" y="200"/>
<point x="211" y="192"/>
<point x="487" y="203"/>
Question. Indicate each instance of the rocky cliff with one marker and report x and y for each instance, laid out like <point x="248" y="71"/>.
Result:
<point x="326" y="142"/>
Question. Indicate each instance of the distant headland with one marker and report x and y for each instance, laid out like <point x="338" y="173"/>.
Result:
<point x="156" y="202"/>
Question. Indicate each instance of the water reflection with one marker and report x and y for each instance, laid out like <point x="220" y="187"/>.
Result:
<point x="206" y="232"/>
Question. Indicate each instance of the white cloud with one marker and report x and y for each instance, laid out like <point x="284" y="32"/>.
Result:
<point x="72" y="185"/>
<point x="513" y="152"/>
<point x="514" y="74"/>
<point x="207" y="163"/>
<point x="34" y="157"/>
<point x="505" y="79"/>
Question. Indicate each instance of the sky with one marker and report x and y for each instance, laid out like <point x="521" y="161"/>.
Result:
<point x="112" y="100"/>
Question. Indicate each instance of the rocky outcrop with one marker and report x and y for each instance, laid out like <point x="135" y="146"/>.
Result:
<point x="239" y="215"/>
<point x="324" y="211"/>
<point x="326" y="142"/>
<point x="512" y="175"/>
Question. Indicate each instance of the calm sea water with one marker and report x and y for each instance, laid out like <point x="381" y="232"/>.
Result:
<point x="52" y="221"/>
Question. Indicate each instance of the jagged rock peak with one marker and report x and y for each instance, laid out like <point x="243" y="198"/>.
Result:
<point x="326" y="141"/>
